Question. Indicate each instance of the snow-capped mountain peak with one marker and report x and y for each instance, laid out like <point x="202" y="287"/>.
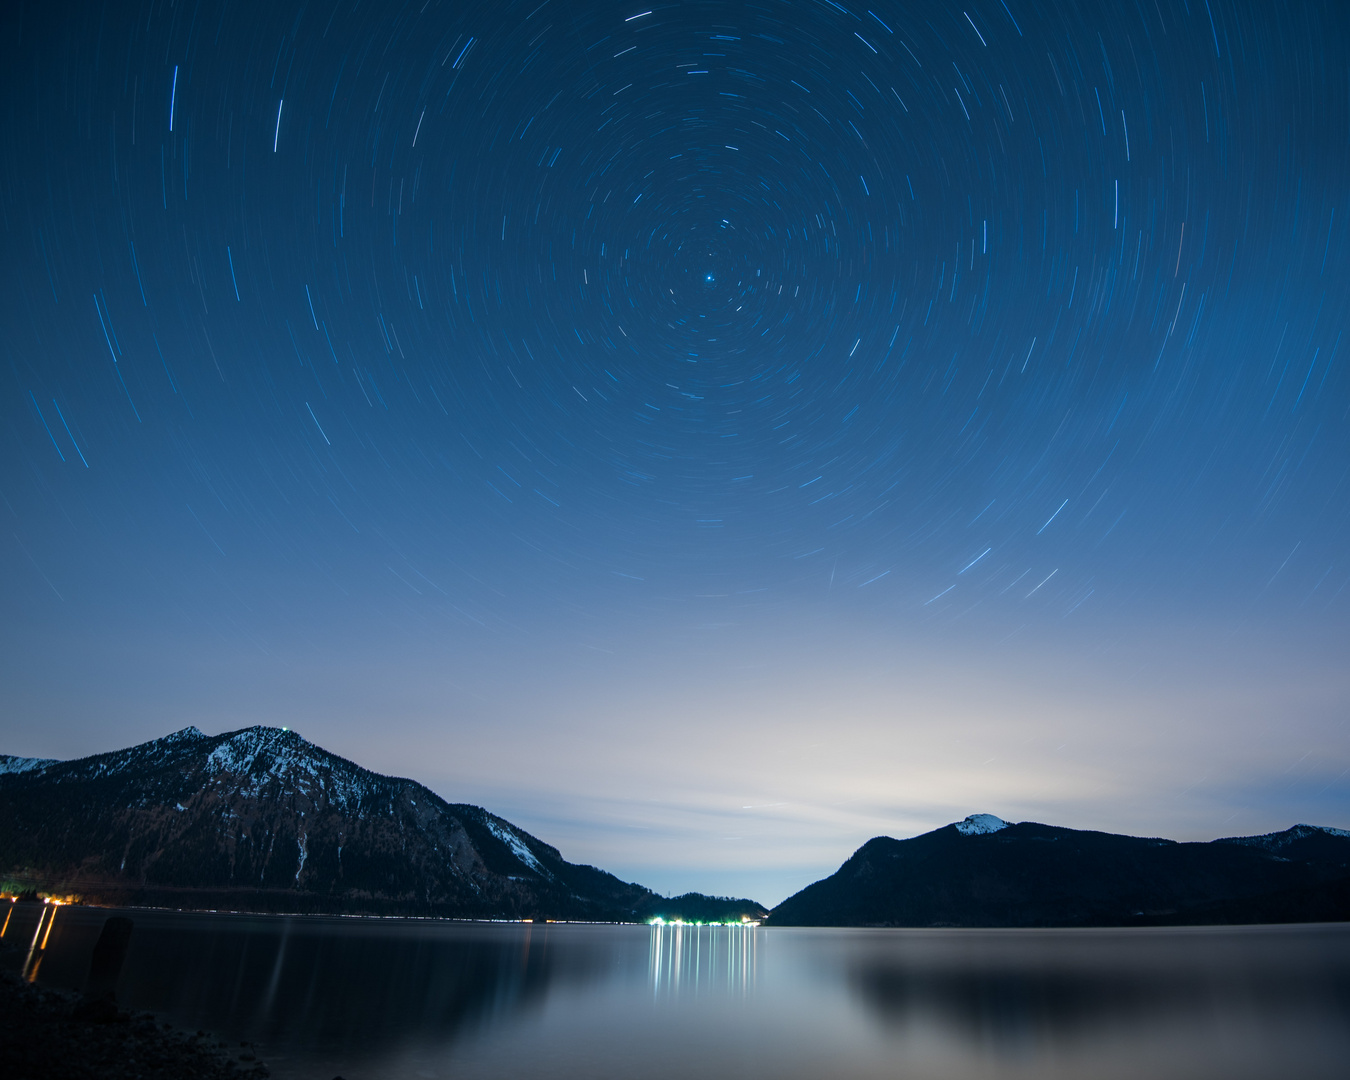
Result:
<point x="190" y="733"/>
<point x="980" y="825"/>
<point x="1277" y="840"/>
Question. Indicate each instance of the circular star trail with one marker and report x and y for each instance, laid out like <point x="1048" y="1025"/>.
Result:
<point x="331" y="326"/>
<point x="868" y="291"/>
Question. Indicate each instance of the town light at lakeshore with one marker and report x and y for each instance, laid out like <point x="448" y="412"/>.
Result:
<point x="36" y="948"/>
<point x="743" y="921"/>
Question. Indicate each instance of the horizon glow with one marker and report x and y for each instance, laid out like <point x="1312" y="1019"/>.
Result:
<point x="706" y="437"/>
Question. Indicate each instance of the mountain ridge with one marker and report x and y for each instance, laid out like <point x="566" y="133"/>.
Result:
<point x="984" y="871"/>
<point x="262" y="819"/>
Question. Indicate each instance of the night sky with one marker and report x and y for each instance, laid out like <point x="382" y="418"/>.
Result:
<point x="707" y="434"/>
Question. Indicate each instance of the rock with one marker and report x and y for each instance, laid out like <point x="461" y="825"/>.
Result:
<point x="99" y="1010"/>
<point x="55" y="1035"/>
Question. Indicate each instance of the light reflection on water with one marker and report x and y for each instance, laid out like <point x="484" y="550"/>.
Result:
<point x="686" y="959"/>
<point x="399" y="999"/>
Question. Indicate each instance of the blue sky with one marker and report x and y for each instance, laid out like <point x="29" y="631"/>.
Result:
<point x="709" y="436"/>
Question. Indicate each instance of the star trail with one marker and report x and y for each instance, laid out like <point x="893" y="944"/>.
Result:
<point x="632" y="416"/>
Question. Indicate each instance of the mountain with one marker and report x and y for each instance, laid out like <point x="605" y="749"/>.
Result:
<point x="984" y="871"/>
<point x="263" y="820"/>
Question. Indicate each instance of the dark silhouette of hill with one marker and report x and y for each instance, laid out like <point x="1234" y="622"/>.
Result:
<point x="986" y="872"/>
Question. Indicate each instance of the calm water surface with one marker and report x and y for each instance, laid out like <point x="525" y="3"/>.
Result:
<point x="403" y="999"/>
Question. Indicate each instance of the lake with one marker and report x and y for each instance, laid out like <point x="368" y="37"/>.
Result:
<point x="387" y="999"/>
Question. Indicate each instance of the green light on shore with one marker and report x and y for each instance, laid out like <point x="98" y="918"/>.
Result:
<point x="744" y="921"/>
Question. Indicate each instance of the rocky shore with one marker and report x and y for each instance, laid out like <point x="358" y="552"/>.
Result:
<point x="51" y="1035"/>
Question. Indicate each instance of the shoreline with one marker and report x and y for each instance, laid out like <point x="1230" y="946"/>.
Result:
<point x="1141" y="924"/>
<point x="45" y="1033"/>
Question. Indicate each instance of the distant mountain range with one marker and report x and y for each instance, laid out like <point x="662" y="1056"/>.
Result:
<point x="984" y="871"/>
<point x="263" y="820"/>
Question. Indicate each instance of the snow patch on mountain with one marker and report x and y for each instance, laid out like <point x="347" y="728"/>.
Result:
<point x="980" y="825"/>
<point x="517" y="846"/>
<point x="11" y="764"/>
<point x="240" y="752"/>
<point x="191" y="733"/>
<point x="257" y="758"/>
<point x="1276" y="840"/>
